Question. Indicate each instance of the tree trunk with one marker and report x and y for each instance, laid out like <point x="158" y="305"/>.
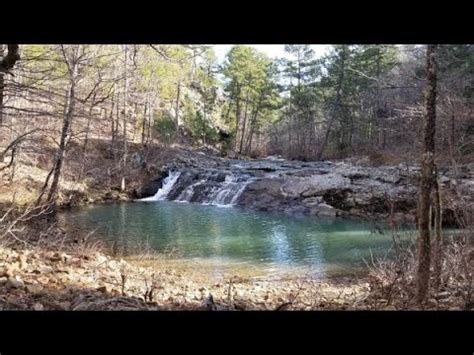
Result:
<point x="144" y="122"/>
<point x="351" y="135"/>
<point x="117" y="124"/>
<point x="252" y="130"/>
<point x="333" y="111"/>
<point x="242" y="137"/>
<point x="375" y="117"/>
<point x="67" y="121"/>
<point x="452" y="142"/>
<point x="134" y="121"/>
<point x="237" y="121"/>
<point x="290" y="126"/>
<point x="112" y="121"/>
<point x="88" y="127"/>
<point x="178" y="94"/>
<point x="150" y="120"/>
<point x="125" y="118"/>
<point x="125" y="106"/>
<point x="428" y="176"/>
<point x="2" y="85"/>
<point x="438" y="221"/>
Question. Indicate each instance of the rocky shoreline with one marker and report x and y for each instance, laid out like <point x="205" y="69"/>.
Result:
<point x="41" y="280"/>
<point x="47" y="280"/>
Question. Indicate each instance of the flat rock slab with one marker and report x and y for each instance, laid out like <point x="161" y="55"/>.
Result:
<point x="316" y="188"/>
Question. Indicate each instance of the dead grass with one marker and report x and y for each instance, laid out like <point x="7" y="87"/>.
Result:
<point x="393" y="283"/>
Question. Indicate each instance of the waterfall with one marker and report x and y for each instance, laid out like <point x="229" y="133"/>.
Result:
<point x="228" y="193"/>
<point x="211" y="191"/>
<point x="168" y="184"/>
<point x="239" y="192"/>
<point x="188" y="192"/>
<point x="207" y="187"/>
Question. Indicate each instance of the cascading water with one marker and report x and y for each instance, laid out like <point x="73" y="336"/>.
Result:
<point x="168" y="184"/>
<point x="228" y="193"/>
<point x="188" y="192"/>
<point x="207" y="188"/>
<point x="211" y="189"/>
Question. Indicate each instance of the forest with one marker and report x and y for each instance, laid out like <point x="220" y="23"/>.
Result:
<point x="381" y="132"/>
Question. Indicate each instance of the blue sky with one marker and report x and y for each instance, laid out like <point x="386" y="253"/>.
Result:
<point x="272" y="50"/>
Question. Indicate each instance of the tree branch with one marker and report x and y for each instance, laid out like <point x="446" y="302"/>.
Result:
<point x="16" y="141"/>
<point x="181" y="60"/>
<point x="363" y="74"/>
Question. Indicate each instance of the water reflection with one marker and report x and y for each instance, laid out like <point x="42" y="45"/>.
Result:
<point x="227" y="235"/>
<point x="281" y="248"/>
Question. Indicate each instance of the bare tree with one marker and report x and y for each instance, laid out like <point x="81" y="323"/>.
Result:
<point x="428" y="177"/>
<point x="125" y="111"/>
<point x="2" y="85"/>
<point x="71" y="58"/>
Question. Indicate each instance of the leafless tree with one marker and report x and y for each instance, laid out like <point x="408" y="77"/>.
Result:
<point x="428" y="177"/>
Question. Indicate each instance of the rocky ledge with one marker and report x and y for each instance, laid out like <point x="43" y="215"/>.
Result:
<point x="315" y="188"/>
<point x="344" y="189"/>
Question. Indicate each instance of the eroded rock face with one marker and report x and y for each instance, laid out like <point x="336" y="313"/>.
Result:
<point x="332" y="190"/>
<point x="266" y="195"/>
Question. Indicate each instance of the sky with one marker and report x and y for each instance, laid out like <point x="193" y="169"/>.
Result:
<point x="272" y="50"/>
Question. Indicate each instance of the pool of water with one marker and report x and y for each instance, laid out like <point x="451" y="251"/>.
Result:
<point x="226" y="236"/>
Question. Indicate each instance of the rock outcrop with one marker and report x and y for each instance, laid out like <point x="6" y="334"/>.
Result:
<point x="151" y="187"/>
<point x="333" y="189"/>
<point x="315" y="188"/>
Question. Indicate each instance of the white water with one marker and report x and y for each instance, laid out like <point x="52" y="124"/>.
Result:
<point x="223" y="194"/>
<point x="188" y="192"/>
<point x="228" y="194"/>
<point x="239" y="192"/>
<point x="168" y="184"/>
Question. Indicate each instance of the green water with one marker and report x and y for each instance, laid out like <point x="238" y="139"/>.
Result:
<point x="231" y="235"/>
